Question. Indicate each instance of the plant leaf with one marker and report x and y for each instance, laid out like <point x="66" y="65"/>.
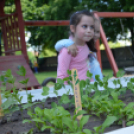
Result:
<point x="60" y="81"/>
<point x="68" y="122"/>
<point x="22" y="71"/>
<point x="109" y="121"/>
<point x="24" y="81"/>
<point x="83" y="121"/>
<point x="129" y="123"/>
<point x="45" y="91"/>
<point x="87" y="131"/>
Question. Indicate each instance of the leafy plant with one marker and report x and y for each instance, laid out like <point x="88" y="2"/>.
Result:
<point x="57" y="119"/>
<point x="106" y="103"/>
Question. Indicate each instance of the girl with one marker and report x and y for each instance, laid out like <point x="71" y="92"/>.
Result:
<point x="82" y="31"/>
<point x="72" y="49"/>
<point x="93" y="63"/>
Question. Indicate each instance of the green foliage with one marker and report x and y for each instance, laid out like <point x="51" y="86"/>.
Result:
<point x="113" y="26"/>
<point x="57" y="119"/>
<point x="45" y="91"/>
<point x="47" y="10"/>
<point x="109" y="120"/>
<point x="13" y="99"/>
<point x="106" y="103"/>
<point x="61" y="9"/>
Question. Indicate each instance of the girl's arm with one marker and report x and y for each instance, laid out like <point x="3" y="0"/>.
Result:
<point x="64" y="60"/>
<point x="63" y="43"/>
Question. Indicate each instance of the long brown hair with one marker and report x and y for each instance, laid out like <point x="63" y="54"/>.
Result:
<point x="75" y="19"/>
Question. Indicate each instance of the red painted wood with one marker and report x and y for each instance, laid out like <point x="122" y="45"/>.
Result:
<point x="13" y="36"/>
<point x="66" y="22"/>
<point x="97" y="44"/>
<point x="13" y="29"/>
<point x="2" y="3"/>
<point x="108" y="51"/>
<point x="4" y="34"/>
<point x="21" y="28"/>
<point x="5" y="16"/>
<point x="9" y="33"/>
<point x="14" y="50"/>
<point x="115" y="14"/>
<point x="15" y="25"/>
<point x="12" y="62"/>
<point x="47" y="23"/>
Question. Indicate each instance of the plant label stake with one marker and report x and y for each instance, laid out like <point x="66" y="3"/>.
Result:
<point x="77" y="95"/>
<point x="0" y="107"/>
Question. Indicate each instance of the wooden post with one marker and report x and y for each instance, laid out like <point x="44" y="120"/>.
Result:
<point x="97" y="44"/>
<point x="21" y="28"/>
<point x="108" y="51"/>
<point x="2" y="3"/>
<point x="77" y="94"/>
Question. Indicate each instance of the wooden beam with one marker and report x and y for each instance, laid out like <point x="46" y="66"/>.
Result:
<point x="47" y="23"/>
<point x="21" y="28"/>
<point x="66" y="22"/>
<point x="2" y="4"/>
<point x="7" y="15"/>
<point x="14" y="50"/>
<point x="4" y="34"/>
<point x="14" y="63"/>
<point x="108" y="51"/>
<point x="97" y="44"/>
<point x="115" y="14"/>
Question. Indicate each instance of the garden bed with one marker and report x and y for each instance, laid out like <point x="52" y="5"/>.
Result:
<point x="107" y="105"/>
<point x="14" y="125"/>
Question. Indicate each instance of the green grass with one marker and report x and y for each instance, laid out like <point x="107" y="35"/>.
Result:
<point x="106" y="72"/>
<point x="43" y="75"/>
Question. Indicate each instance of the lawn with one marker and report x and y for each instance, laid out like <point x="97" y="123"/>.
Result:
<point x="43" y="75"/>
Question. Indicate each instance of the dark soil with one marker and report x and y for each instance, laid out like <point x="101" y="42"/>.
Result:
<point x="14" y="125"/>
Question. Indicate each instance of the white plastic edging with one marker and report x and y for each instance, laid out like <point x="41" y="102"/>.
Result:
<point x="126" y="130"/>
<point x="37" y="92"/>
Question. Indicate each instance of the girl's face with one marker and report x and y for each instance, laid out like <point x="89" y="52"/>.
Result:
<point x="96" y="30"/>
<point x="84" y="31"/>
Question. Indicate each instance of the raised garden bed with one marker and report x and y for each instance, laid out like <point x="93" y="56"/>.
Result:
<point x="103" y="111"/>
<point x="14" y="125"/>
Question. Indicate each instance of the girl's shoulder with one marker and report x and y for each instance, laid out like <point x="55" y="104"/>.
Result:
<point x="64" y="53"/>
<point x="64" y="50"/>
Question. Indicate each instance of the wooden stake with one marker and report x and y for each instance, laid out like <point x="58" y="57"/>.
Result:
<point x="1" y="114"/>
<point x="77" y="94"/>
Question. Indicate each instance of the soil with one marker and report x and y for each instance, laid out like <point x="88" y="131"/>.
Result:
<point x="14" y="125"/>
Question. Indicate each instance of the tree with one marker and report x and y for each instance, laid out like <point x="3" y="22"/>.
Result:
<point x="47" y="36"/>
<point x="113" y="26"/>
<point x="61" y="10"/>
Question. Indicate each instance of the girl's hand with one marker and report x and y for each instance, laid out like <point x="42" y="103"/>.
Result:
<point x="72" y="50"/>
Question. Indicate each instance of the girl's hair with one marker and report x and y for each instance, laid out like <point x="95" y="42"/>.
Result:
<point x="75" y="19"/>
